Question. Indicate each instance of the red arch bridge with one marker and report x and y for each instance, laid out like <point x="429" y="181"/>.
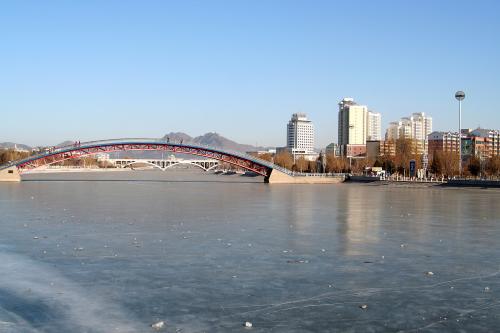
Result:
<point x="12" y="170"/>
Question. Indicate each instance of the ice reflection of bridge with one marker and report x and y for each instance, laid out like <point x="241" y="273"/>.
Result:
<point x="163" y="164"/>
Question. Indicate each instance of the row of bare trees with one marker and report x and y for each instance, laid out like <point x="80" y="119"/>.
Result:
<point x="447" y="164"/>
<point x="334" y="164"/>
<point x="9" y="155"/>
<point x="442" y="164"/>
<point x="285" y="160"/>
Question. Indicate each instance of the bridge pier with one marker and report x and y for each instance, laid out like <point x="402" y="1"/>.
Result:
<point x="278" y="177"/>
<point x="10" y="175"/>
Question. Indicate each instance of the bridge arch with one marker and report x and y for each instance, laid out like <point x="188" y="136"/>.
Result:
<point x="59" y="154"/>
<point x="142" y="162"/>
<point x="189" y="163"/>
<point x="171" y="165"/>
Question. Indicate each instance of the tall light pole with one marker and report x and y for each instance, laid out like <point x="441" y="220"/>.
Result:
<point x="460" y="95"/>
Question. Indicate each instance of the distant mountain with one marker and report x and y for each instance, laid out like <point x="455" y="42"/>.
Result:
<point x="211" y="139"/>
<point x="178" y="136"/>
<point x="11" y="145"/>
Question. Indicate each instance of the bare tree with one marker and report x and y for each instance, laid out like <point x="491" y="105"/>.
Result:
<point x="336" y="164"/>
<point x="450" y="163"/>
<point x="284" y="159"/>
<point x="493" y="166"/>
<point x="312" y="166"/>
<point x="405" y="151"/>
<point x="11" y="155"/>
<point x="301" y="164"/>
<point x="474" y="166"/>
<point x="359" y="165"/>
<point x="437" y="163"/>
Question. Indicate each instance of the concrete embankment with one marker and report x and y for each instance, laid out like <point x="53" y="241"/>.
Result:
<point x="378" y="181"/>
<point x="278" y="177"/>
<point x="421" y="183"/>
<point x="472" y="183"/>
<point x="10" y="175"/>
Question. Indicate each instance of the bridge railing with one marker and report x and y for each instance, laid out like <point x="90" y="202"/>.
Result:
<point x="51" y="150"/>
<point x="316" y="174"/>
<point x="253" y="159"/>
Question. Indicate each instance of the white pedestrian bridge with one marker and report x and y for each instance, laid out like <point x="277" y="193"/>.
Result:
<point x="163" y="164"/>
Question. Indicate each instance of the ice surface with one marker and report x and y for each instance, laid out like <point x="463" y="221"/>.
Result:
<point x="129" y="250"/>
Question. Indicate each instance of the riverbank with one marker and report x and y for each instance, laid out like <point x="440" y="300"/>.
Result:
<point x="451" y="183"/>
<point x="380" y="181"/>
<point x="473" y="183"/>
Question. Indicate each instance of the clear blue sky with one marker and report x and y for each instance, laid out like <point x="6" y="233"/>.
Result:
<point x="101" y="69"/>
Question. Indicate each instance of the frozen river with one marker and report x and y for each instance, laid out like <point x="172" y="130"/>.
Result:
<point x="206" y="253"/>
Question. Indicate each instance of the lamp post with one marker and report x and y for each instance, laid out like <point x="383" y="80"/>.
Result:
<point x="460" y="95"/>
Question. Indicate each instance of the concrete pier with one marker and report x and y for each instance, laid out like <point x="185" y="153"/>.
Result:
<point x="278" y="177"/>
<point x="10" y="175"/>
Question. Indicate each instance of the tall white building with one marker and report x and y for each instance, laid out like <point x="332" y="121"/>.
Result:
<point x="406" y="128"/>
<point x="300" y="135"/>
<point x="357" y="125"/>
<point x="352" y="127"/>
<point x="421" y="126"/>
<point x="374" y="124"/>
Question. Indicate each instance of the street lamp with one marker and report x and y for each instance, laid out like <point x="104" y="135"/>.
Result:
<point x="460" y="95"/>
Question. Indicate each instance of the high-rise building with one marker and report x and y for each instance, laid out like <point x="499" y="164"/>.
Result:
<point x="421" y="126"/>
<point x="300" y="135"/>
<point x="392" y="132"/>
<point x="352" y="126"/>
<point x="417" y="127"/>
<point x="356" y="126"/>
<point x="405" y="128"/>
<point x="373" y="126"/>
